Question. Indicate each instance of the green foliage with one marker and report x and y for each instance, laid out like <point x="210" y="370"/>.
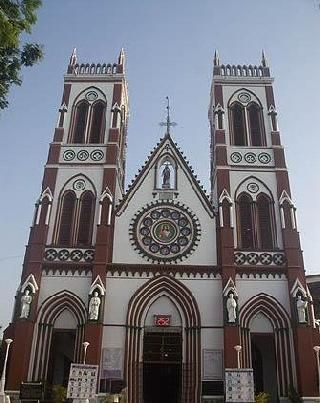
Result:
<point x="262" y="397"/>
<point x="59" y="394"/>
<point x="16" y="17"/>
<point x="293" y="395"/>
<point x="108" y="399"/>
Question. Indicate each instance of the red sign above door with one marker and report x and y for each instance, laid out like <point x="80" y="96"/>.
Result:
<point x="162" y="320"/>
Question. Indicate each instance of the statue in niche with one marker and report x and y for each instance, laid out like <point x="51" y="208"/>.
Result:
<point x="166" y="177"/>
<point x="301" y="308"/>
<point x="26" y="300"/>
<point x="231" y="308"/>
<point x="94" y="306"/>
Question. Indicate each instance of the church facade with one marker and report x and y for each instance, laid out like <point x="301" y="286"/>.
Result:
<point x="169" y="285"/>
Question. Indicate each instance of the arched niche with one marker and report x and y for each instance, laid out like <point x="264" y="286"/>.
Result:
<point x="166" y="173"/>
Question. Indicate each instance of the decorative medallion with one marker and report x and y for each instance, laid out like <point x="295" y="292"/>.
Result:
<point x="250" y="158"/>
<point x="244" y="97"/>
<point x="69" y="155"/>
<point x="91" y="96"/>
<point x="264" y="158"/>
<point x="236" y="157"/>
<point x="260" y="258"/>
<point x="73" y="255"/>
<point x="79" y="184"/>
<point x="165" y="231"/>
<point x="252" y="187"/>
<point x="83" y="155"/>
<point x="63" y="254"/>
<point x="96" y="155"/>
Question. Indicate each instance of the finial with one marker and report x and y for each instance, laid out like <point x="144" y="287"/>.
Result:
<point x="73" y="58"/>
<point x="122" y="57"/>
<point x="264" y="59"/>
<point x="216" y="59"/>
<point x="168" y="123"/>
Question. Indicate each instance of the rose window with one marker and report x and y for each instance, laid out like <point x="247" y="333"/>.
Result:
<point x="165" y="232"/>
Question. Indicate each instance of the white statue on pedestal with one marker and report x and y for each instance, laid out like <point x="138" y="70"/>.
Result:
<point x="231" y="308"/>
<point x="94" y="306"/>
<point x="26" y="300"/>
<point x="301" y="308"/>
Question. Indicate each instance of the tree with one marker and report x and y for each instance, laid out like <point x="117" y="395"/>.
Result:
<point x="16" y="17"/>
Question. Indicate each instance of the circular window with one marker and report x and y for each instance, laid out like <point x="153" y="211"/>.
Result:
<point x="165" y="232"/>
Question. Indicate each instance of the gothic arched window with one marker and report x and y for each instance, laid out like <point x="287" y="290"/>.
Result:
<point x="246" y="222"/>
<point x="255" y="127"/>
<point x="246" y="123"/>
<point x="80" y="122"/>
<point x="238" y="124"/>
<point x="97" y="122"/>
<point x="256" y="229"/>
<point x="68" y="206"/>
<point x="85" y="224"/>
<point x="75" y="222"/>
<point x="264" y="222"/>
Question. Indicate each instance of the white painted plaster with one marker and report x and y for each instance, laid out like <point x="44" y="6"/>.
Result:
<point x="52" y="285"/>
<point x="65" y="320"/>
<point x="278" y="288"/>
<point x="260" y="324"/>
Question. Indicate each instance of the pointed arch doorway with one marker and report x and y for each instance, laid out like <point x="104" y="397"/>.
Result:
<point x="58" y="337"/>
<point x="163" y="363"/>
<point x="267" y="342"/>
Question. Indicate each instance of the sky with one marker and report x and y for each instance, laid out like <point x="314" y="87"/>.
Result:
<point x="169" y="46"/>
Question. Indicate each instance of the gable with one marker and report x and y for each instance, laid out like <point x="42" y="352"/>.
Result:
<point x="165" y="217"/>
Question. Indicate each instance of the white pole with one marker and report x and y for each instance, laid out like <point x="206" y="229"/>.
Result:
<point x="238" y="350"/>
<point x="317" y="351"/>
<point x="85" y="345"/>
<point x="3" y="376"/>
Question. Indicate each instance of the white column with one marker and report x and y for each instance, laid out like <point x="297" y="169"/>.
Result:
<point x="3" y="397"/>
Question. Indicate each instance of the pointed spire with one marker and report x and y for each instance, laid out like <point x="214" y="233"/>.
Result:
<point x="122" y="57"/>
<point x="216" y="58"/>
<point x="73" y="57"/>
<point x="264" y="62"/>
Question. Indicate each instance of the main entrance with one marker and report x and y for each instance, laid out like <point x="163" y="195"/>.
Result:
<point x="264" y="365"/>
<point x="61" y="356"/>
<point x="162" y="361"/>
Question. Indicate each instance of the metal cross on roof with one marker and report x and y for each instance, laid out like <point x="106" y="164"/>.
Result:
<point x="168" y="123"/>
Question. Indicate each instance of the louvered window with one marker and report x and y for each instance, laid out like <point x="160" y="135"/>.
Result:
<point x="85" y="219"/>
<point x="76" y="220"/>
<point x="246" y="227"/>
<point x="246" y="124"/>
<point x="97" y="120"/>
<point x="239" y="127"/>
<point x="264" y="222"/>
<point x="80" y="123"/>
<point x="255" y="126"/>
<point x="67" y="219"/>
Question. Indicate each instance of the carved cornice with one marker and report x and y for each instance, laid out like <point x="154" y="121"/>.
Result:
<point x="173" y="270"/>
